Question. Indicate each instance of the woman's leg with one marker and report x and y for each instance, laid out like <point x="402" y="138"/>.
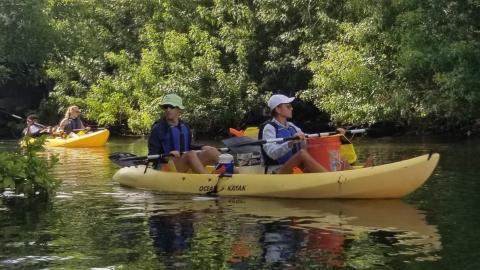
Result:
<point x="303" y="160"/>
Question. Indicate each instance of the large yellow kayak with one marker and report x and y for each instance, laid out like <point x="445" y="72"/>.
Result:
<point x="91" y="139"/>
<point x="393" y="180"/>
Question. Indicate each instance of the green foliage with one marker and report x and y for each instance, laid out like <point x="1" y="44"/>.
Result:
<point x="361" y="61"/>
<point x="195" y="58"/>
<point x="26" y="172"/>
<point x="26" y="40"/>
<point x="353" y="81"/>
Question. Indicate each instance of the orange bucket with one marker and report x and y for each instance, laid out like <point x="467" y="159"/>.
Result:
<point x="325" y="150"/>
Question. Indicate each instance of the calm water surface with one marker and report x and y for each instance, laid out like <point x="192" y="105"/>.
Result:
<point x="93" y="223"/>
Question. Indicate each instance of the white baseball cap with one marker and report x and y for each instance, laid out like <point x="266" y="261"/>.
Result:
<point x="276" y="100"/>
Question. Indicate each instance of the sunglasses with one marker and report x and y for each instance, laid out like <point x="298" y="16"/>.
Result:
<point x="168" y="106"/>
<point x="288" y="105"/>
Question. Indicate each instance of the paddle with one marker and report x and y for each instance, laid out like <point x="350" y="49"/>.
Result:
<point x="89" y="129"/>
<point x="20" y="118"/>
<point x="124" y="159"/>
<point x="236" y="142"/>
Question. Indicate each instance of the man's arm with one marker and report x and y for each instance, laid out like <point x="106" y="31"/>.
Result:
<point x="155" y="140"/>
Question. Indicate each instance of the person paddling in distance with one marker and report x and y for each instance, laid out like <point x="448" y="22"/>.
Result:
<point x="283" y="157"/>
<point x="171" y="135"/>
<point x="71" y="122"/>
<point x="33" y="128"/>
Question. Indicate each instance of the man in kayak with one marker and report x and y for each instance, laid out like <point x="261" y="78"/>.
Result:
<point x="72" y="122"/>
<point x="281" y="158"/>
<point x="171" y="135"/>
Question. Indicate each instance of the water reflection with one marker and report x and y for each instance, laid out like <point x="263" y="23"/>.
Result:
<point x="286" y="233"/>
<point x="330" y="232"/>
<point x="81" y="164"/>
<point x="171" y="234"/>
<point x="95" y="223"/>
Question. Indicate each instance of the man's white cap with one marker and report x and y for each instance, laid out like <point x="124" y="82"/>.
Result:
<point x="276" y="100"/>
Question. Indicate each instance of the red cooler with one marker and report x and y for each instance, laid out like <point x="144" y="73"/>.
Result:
<point x="325" y="150"/>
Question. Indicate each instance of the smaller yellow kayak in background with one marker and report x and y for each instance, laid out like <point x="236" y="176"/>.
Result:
<point x="91" y="139"/>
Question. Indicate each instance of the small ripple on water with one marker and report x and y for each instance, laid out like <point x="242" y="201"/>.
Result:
<point x="33" y="259"/>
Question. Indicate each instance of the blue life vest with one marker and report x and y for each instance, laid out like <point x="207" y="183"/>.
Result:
<point x="73" y="124"/>
<point x="281" y="132"/>
<point x="174" y="138"/>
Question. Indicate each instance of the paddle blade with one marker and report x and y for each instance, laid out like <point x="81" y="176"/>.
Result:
<point x="242" y="144"/>
<point x="126" y="159"/>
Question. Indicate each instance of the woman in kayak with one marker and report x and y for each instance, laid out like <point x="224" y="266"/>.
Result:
<point x="33" y="128"/>
<point x="71" y="122"/>
<point x="283" y="157"/>
<point x="171" y="135"/>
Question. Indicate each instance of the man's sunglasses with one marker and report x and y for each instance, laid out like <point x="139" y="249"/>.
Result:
<point x="168" y="106"/>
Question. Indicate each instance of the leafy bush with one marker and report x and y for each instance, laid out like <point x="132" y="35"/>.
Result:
<point x="25" y="172"/>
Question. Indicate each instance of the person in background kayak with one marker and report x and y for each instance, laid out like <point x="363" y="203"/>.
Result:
<point x="33" y="128"/>
<point x="171" y="135"/>
<point x="71" y="122"/>
<point x="283" y="157"/>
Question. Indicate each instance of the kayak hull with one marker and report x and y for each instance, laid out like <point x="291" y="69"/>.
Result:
<point x="93" y="139"/>
<point x="393" y="180"/>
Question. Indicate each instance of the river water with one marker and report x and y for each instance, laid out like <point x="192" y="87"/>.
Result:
<point x="94" y="223"/>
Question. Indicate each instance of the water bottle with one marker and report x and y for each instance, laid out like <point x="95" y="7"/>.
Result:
<point x="334" y="157"/>
<point x="225" y="164"/>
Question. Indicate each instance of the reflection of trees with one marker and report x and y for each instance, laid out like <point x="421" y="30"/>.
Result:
<point x="82" y="164"/>
<point x="19" y="224"/>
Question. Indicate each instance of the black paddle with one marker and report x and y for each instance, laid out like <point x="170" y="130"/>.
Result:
<point x="123" y="159"/>
<point x="89" y="129"/>
<point x="20" y="118"/>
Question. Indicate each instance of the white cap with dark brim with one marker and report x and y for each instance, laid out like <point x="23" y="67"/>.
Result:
<point x="276" y="100"/>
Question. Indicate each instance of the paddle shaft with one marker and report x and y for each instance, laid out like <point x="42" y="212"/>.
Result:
<point x="160" y="156"/>
<point x="20" y="118"/>
<point x="82" y="129"/>
<point x="313" y="135"/>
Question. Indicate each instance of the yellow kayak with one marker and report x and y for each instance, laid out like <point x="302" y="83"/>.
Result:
<point x="393" y="180"/>
<point x="91" y="139"/>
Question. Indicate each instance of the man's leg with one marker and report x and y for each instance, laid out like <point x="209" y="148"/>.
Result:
<point x="208" y="156"/>
<point x="189" y="160"/>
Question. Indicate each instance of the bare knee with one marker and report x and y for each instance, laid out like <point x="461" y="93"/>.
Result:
<point x="209" y="155"/>
<point x="304" y="154"/>
<point x="189" y="155"/>
<point x="212" y="152"/>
